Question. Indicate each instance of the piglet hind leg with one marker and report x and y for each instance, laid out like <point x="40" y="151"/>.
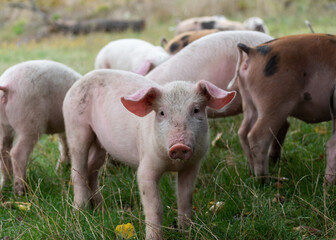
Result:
<point x="260" y="138"/>
<point x="250" y="116"/>
<point x="148" y="181"/>
<point x="20" y="156"/>
<point x="80" y="140"/>
<point x="6" y="138"/>
<point x="275" y="151"/>
<point x="185" y="188"/>
<point x="97" y="156"/>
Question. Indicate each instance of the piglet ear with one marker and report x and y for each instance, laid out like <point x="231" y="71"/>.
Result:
<point x="217" y="98"/>
<point x="141" y="102"/>
<point x="145" y="68"/>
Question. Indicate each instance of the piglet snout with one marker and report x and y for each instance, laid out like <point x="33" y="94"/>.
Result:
<point x="180" y="151"/>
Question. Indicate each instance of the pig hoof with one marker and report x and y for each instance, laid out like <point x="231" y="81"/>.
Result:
<point x="20" y="189"/>
<point x="263" y="179"/>
<point x="329" y="179"/>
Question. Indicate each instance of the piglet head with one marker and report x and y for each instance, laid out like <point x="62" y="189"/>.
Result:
<point x="180" y="128"/>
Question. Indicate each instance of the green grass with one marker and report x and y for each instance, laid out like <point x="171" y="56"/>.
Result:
<point x="250" y="209"/>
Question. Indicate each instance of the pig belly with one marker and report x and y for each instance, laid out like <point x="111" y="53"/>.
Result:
<point x="312" y="112"/>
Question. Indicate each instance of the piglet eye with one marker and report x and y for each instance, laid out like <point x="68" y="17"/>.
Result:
<point x="162" y="113"/>
<point x="196" y="110"/>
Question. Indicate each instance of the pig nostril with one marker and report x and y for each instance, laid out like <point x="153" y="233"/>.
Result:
<point x="180" y="151"/>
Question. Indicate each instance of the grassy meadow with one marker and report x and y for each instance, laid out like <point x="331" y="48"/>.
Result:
<point x="295" y="207"/>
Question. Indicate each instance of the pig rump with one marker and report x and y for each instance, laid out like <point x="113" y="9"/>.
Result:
<point x="32" y="94"/>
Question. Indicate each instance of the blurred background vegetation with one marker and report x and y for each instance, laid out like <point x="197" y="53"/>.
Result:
<point x="22" y="23"/>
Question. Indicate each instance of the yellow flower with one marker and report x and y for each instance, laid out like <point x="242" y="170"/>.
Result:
<point x="321" y="130"/>
<point x="23" y="206"/>
<point x="125" y="230"/>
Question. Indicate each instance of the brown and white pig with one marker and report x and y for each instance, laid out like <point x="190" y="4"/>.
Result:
<point x="182" y="40"/>
<point x="31" y="95"/>
<point x="132" y="55"/>
<point x="289" y="76"/>
<point x="151" y="127"/>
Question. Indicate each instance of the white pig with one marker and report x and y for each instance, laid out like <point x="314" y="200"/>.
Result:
<point x="133" y="55"/>
<point x="212" y="57"/>
<point x="151" y="127"/>
<point x="31" y="95"/>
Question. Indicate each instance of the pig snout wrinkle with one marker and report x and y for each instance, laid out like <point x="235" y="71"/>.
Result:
<point x="180" y="151"/>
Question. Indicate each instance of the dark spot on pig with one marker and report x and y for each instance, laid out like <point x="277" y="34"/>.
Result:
<point x="143" y="193"/>
<point x="271" y="66"/>
<point x="307" y="96"/>
<point x="208" y="25"/>
<point x="185" y="40"/>
<point x="264" y="49"/>
<point x="101" y="83"/>
<point x="186" y="37"/>
<point x="304" y="74"/>
<point x="332" y="41"/>
<point x="174" y="47"/>
<point x="260" y="28"/>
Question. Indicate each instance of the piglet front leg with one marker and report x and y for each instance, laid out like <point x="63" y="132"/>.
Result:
<point x="185" y="189"/>
<point x="148" y="180"/>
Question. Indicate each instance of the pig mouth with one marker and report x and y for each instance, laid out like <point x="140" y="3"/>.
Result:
<point x="180" y="152"/>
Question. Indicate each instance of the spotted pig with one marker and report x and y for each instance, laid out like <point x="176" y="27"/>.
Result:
<point x="220" y="23"/>
<point x="182" y="40"/>
<point x="198" y="23"/>
<point x="288" y="76"/>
